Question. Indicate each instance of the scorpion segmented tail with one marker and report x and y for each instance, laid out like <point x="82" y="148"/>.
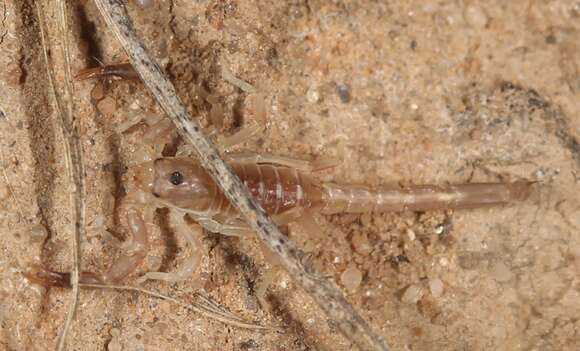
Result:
<point x="339" y="198"/>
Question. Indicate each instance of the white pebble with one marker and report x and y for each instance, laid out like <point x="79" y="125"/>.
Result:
<point x="413" y="294"/>
<point x="135" y="105"/>
<point x="476" y="17"/>
<point x="436" y="287"/>
<point x="284" y="283"/>
<point x="411" y="234"/>
<point x="351" y="278"/>
<point x="312" y="95"/>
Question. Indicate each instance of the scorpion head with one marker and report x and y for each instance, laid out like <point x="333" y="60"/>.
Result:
<point x="178" y="182"/>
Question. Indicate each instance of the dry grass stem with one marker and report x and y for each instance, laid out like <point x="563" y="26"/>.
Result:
<point x="207" y="308"/>
<point x="325" y="293"/>
<point x="73" y="151"/>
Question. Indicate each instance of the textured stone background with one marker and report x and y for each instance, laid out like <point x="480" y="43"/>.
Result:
<point x="400" y="91"/>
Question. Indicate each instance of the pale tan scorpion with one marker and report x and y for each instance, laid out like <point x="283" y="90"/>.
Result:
<point x="284" y="187"/>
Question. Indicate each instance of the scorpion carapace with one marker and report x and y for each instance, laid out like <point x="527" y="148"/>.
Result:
<point x="183" y="183"/>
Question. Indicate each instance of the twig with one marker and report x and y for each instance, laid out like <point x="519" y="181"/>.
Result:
<point x="209" y="310"/>
<point x="325" y="293"/>
<point x="3" y="22"/>
<point x="73" y="155"/>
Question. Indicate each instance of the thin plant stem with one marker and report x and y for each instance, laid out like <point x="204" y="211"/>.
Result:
<point x="324" y="292"/>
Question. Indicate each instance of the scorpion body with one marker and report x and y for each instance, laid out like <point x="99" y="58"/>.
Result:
<point x="184" y="184"/>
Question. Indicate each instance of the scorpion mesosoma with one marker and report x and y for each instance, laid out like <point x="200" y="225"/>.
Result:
<point x="282" y="189"/>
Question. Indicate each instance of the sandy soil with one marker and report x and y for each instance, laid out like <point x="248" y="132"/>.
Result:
<point x="399" y="91"/>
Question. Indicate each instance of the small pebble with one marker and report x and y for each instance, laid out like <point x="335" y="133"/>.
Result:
<point x="476" y="17"/>
<point x="38" y="233"/>
<point x="154" y="261"/>
<point x="361" y="244"/>
<point x="412" y="295"/>
<point x="283" y="283"/>
<point x="351" y="278"/>
<point x="436" y="287"/>
<point x="411" y="234"/>
<point x="343" y="91"/>
<point x="107" y="106"/>
<point x="135" y="105"/>
<point x="249" y="344"/>
<point x="312" y="95"/>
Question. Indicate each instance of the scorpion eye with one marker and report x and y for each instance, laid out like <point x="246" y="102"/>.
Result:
<point x="176" y="178"/>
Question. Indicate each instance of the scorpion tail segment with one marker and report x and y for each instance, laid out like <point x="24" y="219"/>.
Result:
<point x="360" y="199"/>
<point x="36" y="274"/>
<point x="134" y="251"/>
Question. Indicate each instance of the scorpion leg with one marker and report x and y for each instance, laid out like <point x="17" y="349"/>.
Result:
<point x="231" y="227"/>
<point x="192" y="264"/>
<point x="134" y="250"/>
<point x="159" y="130"/>
<point x="246" y="133"/>
<point x="238" y="227"/>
